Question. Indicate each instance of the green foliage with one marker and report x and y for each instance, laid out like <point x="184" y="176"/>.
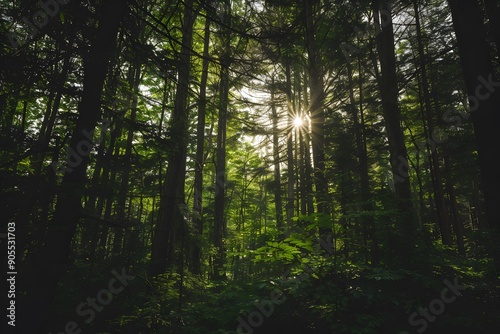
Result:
<point x="345" y="282"/>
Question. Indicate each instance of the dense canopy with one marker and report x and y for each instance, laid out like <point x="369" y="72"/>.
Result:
<point x="236" y="166"/>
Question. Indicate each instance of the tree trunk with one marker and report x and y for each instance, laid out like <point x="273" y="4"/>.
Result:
<point x="307" y="171"/>
<point x="200" y="160"/>
<point x="54" y="257"/>
<point x="37" y="191"/>
<point x="458" y="226"/>
<point x="392" y="117"/>
<point x="493" y="13"/>
<point x="276" y="160"/>
<point x="50" y="116"/>
<point x="368" y="225"/>
<point x="135" y="80"/>
<point x="289" y="148"/>
<point x="170" y="216"/>
<point x="317" y="113"/>
<point x="484" y="98"/>
<point x="437" y="182"/>
<point x="220" y="168"/>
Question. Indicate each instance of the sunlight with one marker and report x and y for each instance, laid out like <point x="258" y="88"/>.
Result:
<point x="298" y="122"/>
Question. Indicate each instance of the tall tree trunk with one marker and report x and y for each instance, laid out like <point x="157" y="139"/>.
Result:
<point x="89" y="232"/>
<point x="135" y="80"/>
<point x="37" y="190"/>
<point x="437" y="182"/>
<point x="50" y="117"/>
<point x="458" y="226"/>
<point x="53" y="258"/>
<point x="317" y="112"/>
<point x="301" y="174"/>
<point x="289" y="148"/>
<point x="220" y="168"/>
<point x="298" y="90"/>
<point x="308" y="171"/>
<point x="170" y="217"/>
<point x="493" y="13"/>
<point x="108" y="179"/>
<point x="276" y="160"/>
<point x="484" y="99"/>
<point x="368" y="225"/>
<point x="200" y="160"/>
<point x="392" y="117"/>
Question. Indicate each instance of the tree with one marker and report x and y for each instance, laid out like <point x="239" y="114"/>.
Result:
<point x="392" y="116"/>
<point x="316" y="110"/>
<point x="484" y="97"/>
<point x="276" y="162"/>
<point x="171" y="218"/>
<point x="230" y="134"/>
<point x="52" y="260"/>
<point x="200" y="151"/>
<point x="437" y="182"/>
<point x="220" y="167"/>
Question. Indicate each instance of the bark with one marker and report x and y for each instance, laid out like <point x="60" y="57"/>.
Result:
<point x="302" y="196"/>
<point x="276" y="160"/>
<point x="484" y="97"/>
<point x="54" y="257"/>
<point x="124" y="184"/>
<point x="289" y="148"/>
<point x="392" y="116"/>
<point x="106" y="201"/>
<point x="51" y="114"/>
<point x="220" y="167"/>
<point x="458" y="226"/>
<point x="437" y="182"/>
<point x="40" y="189"/>
<point x="200" y="160"/>
<point x="317" y="113"/>
<point x="493" y="14"/>
<point x="368" y="225"/>
<point x="170" y="218"/>
<point x="307" y="171"/>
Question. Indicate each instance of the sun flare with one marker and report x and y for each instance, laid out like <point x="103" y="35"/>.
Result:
<point x="298" y="122"/>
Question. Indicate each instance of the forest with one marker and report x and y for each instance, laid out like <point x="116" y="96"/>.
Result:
<point x="250" y="166"/>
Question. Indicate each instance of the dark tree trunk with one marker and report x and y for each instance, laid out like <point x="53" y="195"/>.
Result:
<point x="493" y="14"/>
<point x="276" y="160"/>
<point x="289" y="148"/>
<point x="220" y="177"/>
<point x="51" y="114"/>
<point x="170" y="218"/>
<point x="105" y="202"/>
<point x="437" y="182"/>
<point x="307" y="169"/>
<point x="220" y="168"/>
<point x="368" y="225"/>
<point x="38" y="187"/>
<point x="317" y="113"/>
<point x="392" y="117"/>
<point x="458" y="226"/>
<point x="135" y="79"/>
<point x="484" y="99"/>
<point x="54" y="257"/>
<point x="200" y="151"/>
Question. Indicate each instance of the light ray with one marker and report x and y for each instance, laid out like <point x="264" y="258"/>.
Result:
<point x="298" y="122"/>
